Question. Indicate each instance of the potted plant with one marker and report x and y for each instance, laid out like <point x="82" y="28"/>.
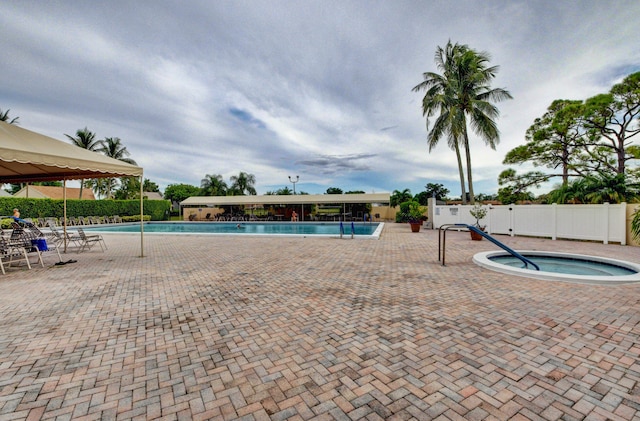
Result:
<point x="478" y="212"/>
<point x="411" y="212"/>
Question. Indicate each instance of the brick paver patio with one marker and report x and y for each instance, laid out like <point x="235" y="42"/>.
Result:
<point x="209" y="327"/>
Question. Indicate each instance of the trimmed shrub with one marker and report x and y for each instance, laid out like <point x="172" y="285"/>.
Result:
<point x="157" y="210"/>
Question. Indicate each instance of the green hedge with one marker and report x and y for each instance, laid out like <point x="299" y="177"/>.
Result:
<point x="157" y="210"/>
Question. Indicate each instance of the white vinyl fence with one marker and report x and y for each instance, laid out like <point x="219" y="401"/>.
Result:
<point x="606" y="223"/>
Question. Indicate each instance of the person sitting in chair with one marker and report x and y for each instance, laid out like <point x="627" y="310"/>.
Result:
<point x="16" y="217"/>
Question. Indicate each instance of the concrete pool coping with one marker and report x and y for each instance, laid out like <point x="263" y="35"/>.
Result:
<point x="484" y="259"/>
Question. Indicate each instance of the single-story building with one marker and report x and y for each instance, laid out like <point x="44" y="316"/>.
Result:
<point x="152" y="195"/>
<point x="336" y="205"/>
<point x="52" y="192"/>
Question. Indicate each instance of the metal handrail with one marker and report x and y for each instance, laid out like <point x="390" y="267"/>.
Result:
<point x="526" y="262"/>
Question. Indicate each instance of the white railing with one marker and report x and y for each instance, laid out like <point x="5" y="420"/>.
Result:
<point x="606" y="223"/>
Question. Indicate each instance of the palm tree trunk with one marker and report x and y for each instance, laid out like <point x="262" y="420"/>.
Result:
<point x="467" y="151"/>
<point x="461" y="173"/>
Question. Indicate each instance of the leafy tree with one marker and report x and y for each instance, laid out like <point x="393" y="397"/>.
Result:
<point x="573" y="192"/>
<point x="422" y="198"/>
<point x="213" y="185"/>
<point x="334" y="190"/>
<point x="4" y="116"/>
<point x="515" y="187"/>
<point x="436" y="189"/>
<point x="85" y="139"/>
<point x="129" y="188"/>
<point x="556" y="140"/>
<point x="616" y="116"/>
<point x="635" y="225"/>
<point x="611" y="188"/>
<point x="150" y="186"/>
<point x="596" y="188"/>
<point x="285" y="191"/>
<point x="179" y="192"/>
<point x="242" y="184"/>
<point x="482" y="197"/>
<point x="355" y="192"/>
<point x="102" y="187"/>
<point x="398" y="197"/>
<point x="509" y="194"/>
<point x="462" y="93"/>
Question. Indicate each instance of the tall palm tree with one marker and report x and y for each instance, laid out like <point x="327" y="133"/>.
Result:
<point x="439" y="99"/>
<point x="475" y="101"/>
<point x="213" y="185"/>
<point x="113" y="148"/>
<point x="462" y="93"/>
<point x="4" y="116"/>
<point x="85" y="139"/>
<point x="242" y="183"/>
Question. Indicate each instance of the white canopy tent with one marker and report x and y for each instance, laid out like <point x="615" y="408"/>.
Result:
<point x="27" y="156"/>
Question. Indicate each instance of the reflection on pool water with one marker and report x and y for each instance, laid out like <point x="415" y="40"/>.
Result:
<point x="562" y="267"/>
<point x="370" y="230"/>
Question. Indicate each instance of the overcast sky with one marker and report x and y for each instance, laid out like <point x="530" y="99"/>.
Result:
<point x="318" y="89"/>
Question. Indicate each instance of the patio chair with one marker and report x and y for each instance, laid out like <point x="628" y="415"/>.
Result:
<point x="88" y="241"/>
<point x="22" y="238"/>
<point x="57" y="238"/>
<point x="10" y="250"/>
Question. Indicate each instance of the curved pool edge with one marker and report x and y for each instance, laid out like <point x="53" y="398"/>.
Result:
<point x="483" y="259"/>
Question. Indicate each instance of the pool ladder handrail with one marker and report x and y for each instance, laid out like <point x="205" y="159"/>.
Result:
<point x="353" y="229"/>
<point x="526" y="262"/>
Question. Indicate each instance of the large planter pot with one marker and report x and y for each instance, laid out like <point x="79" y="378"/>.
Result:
<point x="415" y="226"/>
<point x="475" y="236"/>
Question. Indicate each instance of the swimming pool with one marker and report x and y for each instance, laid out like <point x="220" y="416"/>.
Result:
<point x="567" y="267"/>
<point x="330" y="229"/>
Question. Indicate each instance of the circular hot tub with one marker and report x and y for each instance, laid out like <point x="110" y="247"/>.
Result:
<point x="566" y="267"/>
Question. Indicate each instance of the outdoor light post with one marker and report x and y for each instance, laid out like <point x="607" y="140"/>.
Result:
<point x="294" y="190"/>
<point x="294" y="182"/>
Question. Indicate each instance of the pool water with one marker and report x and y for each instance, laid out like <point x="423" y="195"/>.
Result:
<point x="566" y="265"/>
<point x="269" y="228"/>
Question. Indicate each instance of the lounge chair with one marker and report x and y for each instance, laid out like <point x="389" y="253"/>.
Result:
<point x="88" y="241"/>
<point x="22" y="238"/>
<point x="10" y="250"/>
<point x="57" y="238"/>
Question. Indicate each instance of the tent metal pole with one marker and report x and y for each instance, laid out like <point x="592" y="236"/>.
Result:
<point x="64" y="212"/>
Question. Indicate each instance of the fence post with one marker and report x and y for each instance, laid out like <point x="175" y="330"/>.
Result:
<point x="623" y="216"/>
<point x="512" y="219"/>
<point x="554" y="226"/>
<point x="606" y="223"/>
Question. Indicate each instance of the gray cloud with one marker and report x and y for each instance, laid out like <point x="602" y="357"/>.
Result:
<point x="338" y="165"/>
<point x="320" y="89"/>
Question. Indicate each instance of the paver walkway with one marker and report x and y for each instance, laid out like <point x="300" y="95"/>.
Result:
<point x="208" y="327"/>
